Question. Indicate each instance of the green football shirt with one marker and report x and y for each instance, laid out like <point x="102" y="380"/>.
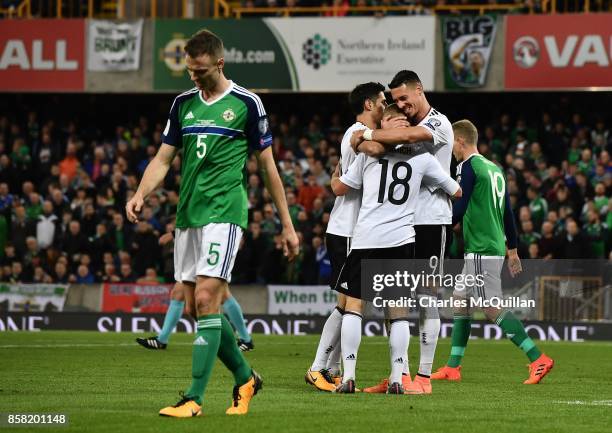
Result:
<point x="484" y="207"/>
<point x="216" y="137"/>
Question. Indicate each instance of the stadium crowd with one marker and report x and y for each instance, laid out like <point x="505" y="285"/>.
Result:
<point x="63" y="190"/>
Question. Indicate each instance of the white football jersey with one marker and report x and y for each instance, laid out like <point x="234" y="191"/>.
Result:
<point x="390" y="191"/>
<point x="346" y="207"/>
<point x="434" y="206"/>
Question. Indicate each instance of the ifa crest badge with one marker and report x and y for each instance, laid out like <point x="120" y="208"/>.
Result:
<point x="229" y="115"/>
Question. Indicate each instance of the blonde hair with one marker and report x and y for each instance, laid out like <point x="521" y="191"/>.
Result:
<point x="466" y="130"/>
<point x="393" y="110"/>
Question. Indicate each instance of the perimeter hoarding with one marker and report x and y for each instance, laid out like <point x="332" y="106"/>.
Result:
<point x="306" y="54"/>
<point x="558" y="51"/>
<point x="42" y="55"/>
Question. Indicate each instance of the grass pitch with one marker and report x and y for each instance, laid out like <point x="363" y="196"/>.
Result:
<point x="107" y="383"/>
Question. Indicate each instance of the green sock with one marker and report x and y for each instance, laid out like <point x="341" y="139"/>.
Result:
<point x="204" y="353"/>
<point x="462" y="325"/>
<point x="515" y="331"/>
<point x="231" y="356"/>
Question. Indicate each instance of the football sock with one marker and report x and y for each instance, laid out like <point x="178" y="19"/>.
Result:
<point x="330" y="337"/>
<point x="204" y="353"/>
<point x="406" y="369"/>
<point x="399" y="338"/>
<point x="429" y="329"/>
<point x="231" y="307"/>
<point x="231" y="356"/>
<point x="334" y="363"/>
<point x="462" y="325"/>
<point x="173" y="315"/>
<point x="350" y="340"/>
<point x="515" y="331"/>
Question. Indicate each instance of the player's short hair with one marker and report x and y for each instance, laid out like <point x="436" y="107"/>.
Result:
<point x="466" y="130"/>
<point x="204" y="42"/>
<point x="361" y="93"/>
<point x="405" y="77"/>
<point x="393" y="110"/>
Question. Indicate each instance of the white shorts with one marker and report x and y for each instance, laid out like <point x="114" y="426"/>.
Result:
<point x="490" y="269"/>
<point x="206" y="251"/>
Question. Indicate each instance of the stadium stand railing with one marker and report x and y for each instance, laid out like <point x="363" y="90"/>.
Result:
<point x="121" y="9"/>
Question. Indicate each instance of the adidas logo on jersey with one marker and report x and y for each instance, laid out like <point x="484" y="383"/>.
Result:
<point x="200" y="341"/>
<point x="189" y="116"/>
<point x="351" y="357"/>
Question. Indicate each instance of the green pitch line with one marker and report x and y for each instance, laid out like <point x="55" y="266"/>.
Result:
<point x="107" y="383"/>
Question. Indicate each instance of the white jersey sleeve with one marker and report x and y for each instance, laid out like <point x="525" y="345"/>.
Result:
<point x="346" y="208"/>
<point x="434" y="206"/>
<point x="354" y="174"/>
<point x="436" y="177"/>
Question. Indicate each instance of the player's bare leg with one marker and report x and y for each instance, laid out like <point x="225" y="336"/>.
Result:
<point x="328" y="351"/>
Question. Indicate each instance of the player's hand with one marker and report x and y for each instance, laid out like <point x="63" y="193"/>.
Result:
<point x="166" y="238"/>
<point x="133" y="208"/>
<point x="357" y="139"/>
<point x="389" y="122"/>
<point x="336" y="172"/>
<point x="291" y="243"/>
<point x="514" y="263"/>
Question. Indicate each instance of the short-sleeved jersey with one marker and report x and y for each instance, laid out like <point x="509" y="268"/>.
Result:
<point x="483" y="221"/>
<point x="346" y="207"/>
<point x="216" y="137"/>
<point x="434" y="207"/>
<point x="390" y="188"/>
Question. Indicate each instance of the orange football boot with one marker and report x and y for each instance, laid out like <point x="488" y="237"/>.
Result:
<point x="538" y="369"/>
<point x="447" y="373"/>
<point x="420" y="385"/>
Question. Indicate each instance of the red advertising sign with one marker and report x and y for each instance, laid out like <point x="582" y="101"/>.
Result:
<point x="136" y="298"/>
<point x="558" y="51"/>
<point x="42" y="55"/>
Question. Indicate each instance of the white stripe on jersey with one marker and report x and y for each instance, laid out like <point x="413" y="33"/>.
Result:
<point x="346" y="208"/>
<point x="260" y="108"/>
<point x="434" y="206"/>
<point x="390" y="188"/>
<point x="195" y="89"/>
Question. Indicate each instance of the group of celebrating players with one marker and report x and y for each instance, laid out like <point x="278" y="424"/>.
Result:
<point x="393" y="202"/>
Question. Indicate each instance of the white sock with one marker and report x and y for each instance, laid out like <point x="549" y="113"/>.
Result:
<point x="399" y="339"/>
<point x="351" y="339"/>
<point x="334" y="363"/>
<point x="406" y="369"/>
<point x="429" y="329"/>
<point x="330" y="337"/>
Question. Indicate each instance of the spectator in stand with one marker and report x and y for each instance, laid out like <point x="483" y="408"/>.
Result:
<point x="126" y="275"/>
<point x="84" y="275"/>
<point x="61" y="273"/>
<point x="47" y="226"/>
<point x="308" y="193"/>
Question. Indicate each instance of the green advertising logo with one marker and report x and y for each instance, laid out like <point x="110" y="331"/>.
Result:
<point x="316" y="51"/>
<point x="255" y="57"/>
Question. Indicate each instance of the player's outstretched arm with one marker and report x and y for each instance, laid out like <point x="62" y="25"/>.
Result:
<point x="154" y="174"/>
<point x="274" y="185"/>
<point x="436" y="176"/>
